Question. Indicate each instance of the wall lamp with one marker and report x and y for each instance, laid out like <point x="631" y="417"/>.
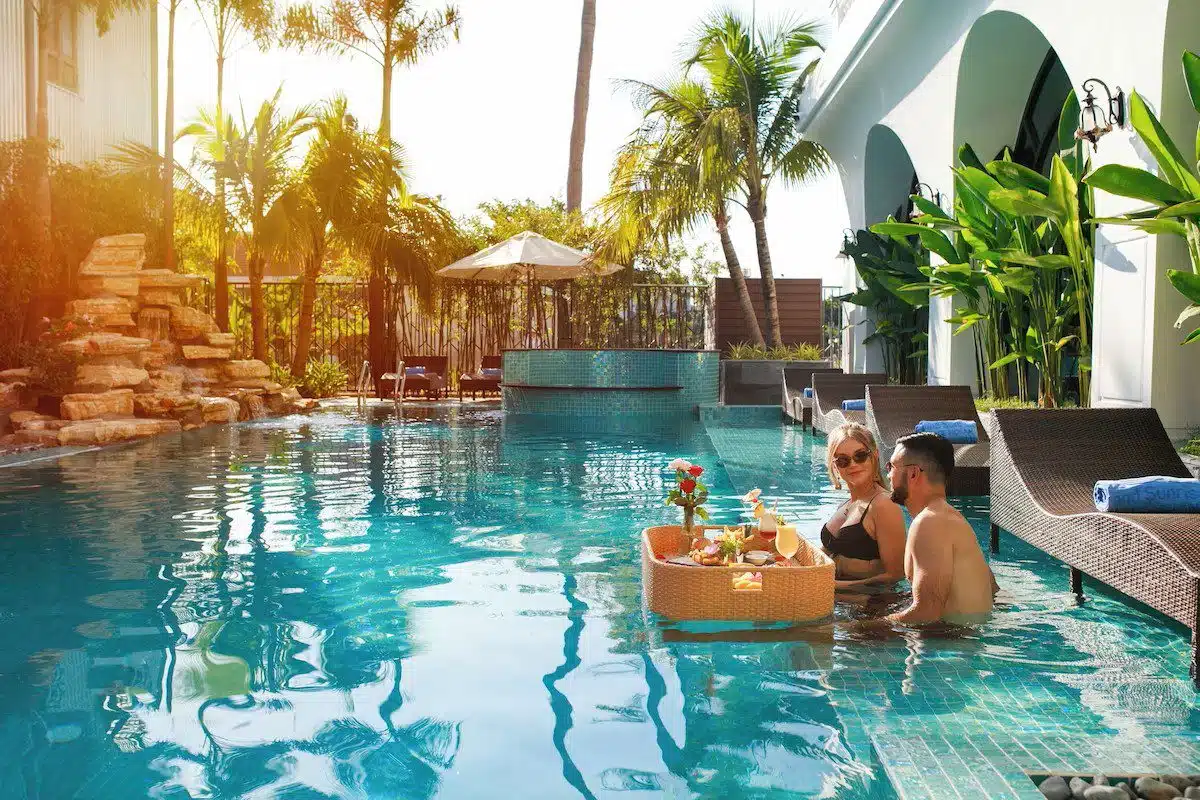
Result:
<point x="926" y="191"/>
<point x="1094" y="119"/>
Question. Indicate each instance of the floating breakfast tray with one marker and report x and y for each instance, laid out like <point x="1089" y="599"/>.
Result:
<point x="799" y="592"/>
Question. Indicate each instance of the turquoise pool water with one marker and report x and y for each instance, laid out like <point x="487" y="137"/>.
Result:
<point x="449" y="606"/>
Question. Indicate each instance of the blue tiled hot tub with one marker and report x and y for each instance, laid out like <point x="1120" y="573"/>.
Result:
<point x="598" y="383"/>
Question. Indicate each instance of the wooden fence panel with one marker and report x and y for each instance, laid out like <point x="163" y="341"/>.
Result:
<point x="800" y="311"/>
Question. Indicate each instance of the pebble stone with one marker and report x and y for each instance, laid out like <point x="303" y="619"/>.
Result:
<point x="1180" y="782"/>
<point x="1100" y="780"/>
<point x="1055" y="788"/>
<point x="1105" y="793"/>
<point x="1125" y="787"/>
<point x="1153" y="789"/>
<point x="1192" y="793"/>
<point x="1078" y="786"/>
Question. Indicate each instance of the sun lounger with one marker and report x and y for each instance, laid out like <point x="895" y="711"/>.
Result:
<point x="432" y="382"/>
<point x="479" y="383"/>
<point x="1045" y="464"/>
<point x="894" y="411"/>
<point x="830" y="389"/>
<point x="795" y="381"/>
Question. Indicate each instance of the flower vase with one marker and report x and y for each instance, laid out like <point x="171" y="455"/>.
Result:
<point x="689" y="521"/>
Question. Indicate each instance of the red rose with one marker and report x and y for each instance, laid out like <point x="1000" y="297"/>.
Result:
<point x="695" y="470"/>
<point x="687" y="486"/>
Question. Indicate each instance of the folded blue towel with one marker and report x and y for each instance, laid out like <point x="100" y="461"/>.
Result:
<point x="491" y="372"/>
<point x="958" y="431"/>
<point x="808" y="392"/>
<point x="854" y="405"/>
<point x="410" y="371"/>
<point x="1152" y="495"/>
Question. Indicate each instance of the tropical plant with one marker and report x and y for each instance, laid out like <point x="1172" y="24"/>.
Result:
<point x="668" y="178"/>
<point x="323" y="379"/>
<point x="1022" y="263"/>
<point x="389" y="33"/>
<point x="583" y="80"/>
<point x="226" y="21"/>
<point x="257" y="171"/>
<point x="889" y="264"/>
<point x="326" y="202"/>
<point x="756" y="78"/>
<point x="743" y="351"/>
<point x="1175" y="196"/>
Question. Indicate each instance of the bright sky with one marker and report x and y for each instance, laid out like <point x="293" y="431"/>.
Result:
<point x="490" y="116"/>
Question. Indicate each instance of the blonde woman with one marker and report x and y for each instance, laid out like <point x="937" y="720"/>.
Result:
<point x="865" y="536"/>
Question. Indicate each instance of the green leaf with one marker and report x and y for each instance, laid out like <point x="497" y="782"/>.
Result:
<point x="968" y="158"/>
<point x="1194" y="336"/>
<point x="1068" y="120"/>
<point x="1004" y="361"/>
<point x="1064" y="195"/>
<point x="1189" y="209"/>
<point x="1155" y="226"/>
<point x="1049" y="261"/>
<point x="1014" y="176"/>
<point x="1022" y="203"/>
<point x="1187" y="283"/>
<point x="1063" y="342"/>
<point x="1139" y="184"/>
<point x="1160" y="145"/>
<point x="702" y="514"/>
<point x="1191" y="76"/>
<point x="930" y="208"/>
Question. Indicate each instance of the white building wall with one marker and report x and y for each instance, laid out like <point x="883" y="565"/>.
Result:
<point x="12" y="69"/>
<point x="114" y="102"/>
<point x="900" y="63"/>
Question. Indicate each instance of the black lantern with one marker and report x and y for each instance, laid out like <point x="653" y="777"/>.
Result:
<point x="1095" y="120"/>
<point x="926" y="191"/>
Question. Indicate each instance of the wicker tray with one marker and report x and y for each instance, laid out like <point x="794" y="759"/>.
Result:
<point x="801" y="593"/>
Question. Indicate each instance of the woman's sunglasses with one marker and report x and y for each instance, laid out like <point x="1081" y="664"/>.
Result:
<point x="862" y="456"/>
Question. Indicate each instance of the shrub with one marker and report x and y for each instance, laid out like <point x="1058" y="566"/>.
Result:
<point x="796" y="352"/>
<point x="987" y="403"/>
<point x="1192" y="446"/>
<point x="283" y="376"/>
<point x="323" y="379"/>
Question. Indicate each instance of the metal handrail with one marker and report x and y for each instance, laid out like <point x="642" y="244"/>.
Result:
<point x="364" y="376"/>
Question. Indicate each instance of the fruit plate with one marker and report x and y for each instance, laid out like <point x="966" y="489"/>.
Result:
<point x="800" y="591"/>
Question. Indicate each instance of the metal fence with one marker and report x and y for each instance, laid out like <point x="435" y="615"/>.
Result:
<point x="832" y="324"/>
<point x="465" y="320"/>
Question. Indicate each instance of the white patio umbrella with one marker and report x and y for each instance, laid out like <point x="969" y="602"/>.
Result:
<point x="530" y="256"/>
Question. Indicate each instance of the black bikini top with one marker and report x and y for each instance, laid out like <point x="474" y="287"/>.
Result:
<point x="851" y="540"/>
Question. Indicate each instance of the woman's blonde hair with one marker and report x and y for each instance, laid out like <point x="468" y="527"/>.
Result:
<point x="861" y="434"/>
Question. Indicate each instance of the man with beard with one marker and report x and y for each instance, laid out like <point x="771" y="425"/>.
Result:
<point x="951" y="580"/>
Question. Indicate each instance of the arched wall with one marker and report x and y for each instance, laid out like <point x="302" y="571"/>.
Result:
<point x="887" y="174"/>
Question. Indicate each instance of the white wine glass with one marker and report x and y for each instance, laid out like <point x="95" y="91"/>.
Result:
<point x="787" y="541"/>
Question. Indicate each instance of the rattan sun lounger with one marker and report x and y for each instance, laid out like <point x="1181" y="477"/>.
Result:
<point x="1045" y="464"/>
<point x="795" y="381"/>
<point x="894" y="411"/>
<point x="830" y="389"/>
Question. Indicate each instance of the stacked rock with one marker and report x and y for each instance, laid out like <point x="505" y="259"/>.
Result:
<point x="150" y="364"/>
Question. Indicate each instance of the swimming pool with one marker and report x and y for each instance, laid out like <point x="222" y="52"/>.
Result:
<point x="449" y="606"/>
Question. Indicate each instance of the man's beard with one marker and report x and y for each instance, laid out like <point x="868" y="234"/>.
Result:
<point x="899" y="493"/>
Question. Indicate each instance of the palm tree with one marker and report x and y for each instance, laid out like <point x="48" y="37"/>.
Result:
<point x="255" y="167"/>
<point x="669" y="178"/>
<point x="388" y="32"/>
<point x="225" y="20"/>
<point x="583" y="80"/>
<point x="332" y="187"/>
<point x="756" y="78"/>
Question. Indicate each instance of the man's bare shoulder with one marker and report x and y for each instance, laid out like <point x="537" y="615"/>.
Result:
<point x="942" y="518"/>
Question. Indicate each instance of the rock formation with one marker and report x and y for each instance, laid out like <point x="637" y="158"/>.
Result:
<point x="148" y="364"/>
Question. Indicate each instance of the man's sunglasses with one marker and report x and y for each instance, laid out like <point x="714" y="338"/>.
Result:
<point x="861" y="457"/>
